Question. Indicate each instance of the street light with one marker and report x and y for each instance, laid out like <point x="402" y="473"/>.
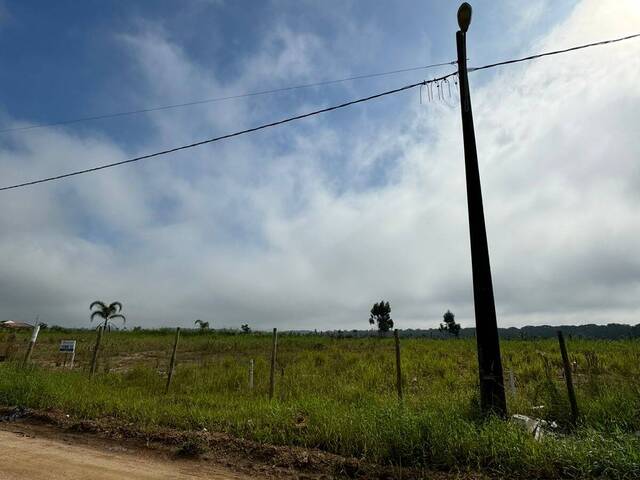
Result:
<point x="464" y="16"/>
<point x="492" y="396"/>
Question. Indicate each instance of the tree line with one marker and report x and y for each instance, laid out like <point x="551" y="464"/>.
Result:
<point x="380" y="316"/>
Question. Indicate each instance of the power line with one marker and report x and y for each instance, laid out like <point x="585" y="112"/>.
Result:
<point x="230" y="135"/>
<point x="298" y="87"/>
<point x="221" y="99"/>
<point x="555" y="52"/>
<point x="305" y="115"/>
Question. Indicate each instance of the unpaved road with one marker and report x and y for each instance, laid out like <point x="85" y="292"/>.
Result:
<point x="25" y="455"/>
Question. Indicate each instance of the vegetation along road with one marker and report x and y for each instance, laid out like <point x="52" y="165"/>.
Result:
<point x="338" y="396"/>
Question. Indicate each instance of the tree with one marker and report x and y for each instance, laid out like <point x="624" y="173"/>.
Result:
<point x="203" y="325"/>
<point x="245" y="328"/>
<point x="450" y="324"/>
<point x="108" y="313"/>
<point x="381" y="314"/>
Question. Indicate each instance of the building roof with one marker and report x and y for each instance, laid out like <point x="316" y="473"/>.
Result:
<point x="14" y="324"/>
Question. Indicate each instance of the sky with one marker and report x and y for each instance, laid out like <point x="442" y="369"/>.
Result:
<point x="306" y="225"/>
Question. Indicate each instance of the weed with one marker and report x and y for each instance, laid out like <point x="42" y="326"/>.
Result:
<point x="339" y="395"/>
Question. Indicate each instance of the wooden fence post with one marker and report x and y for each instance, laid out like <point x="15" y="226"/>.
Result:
<point x="73" y="357"/>
<point x="272" y="374"/>
<point x="32" y="343"/>
<point x="251" y="374"/>
<point x="172" y="364"/>
<point x="398" y="365"/>
<point x="8" y="353"/>
<point x="94" y="359"/>
<point x="568" y="378"/>
<point x="512" y="382"/>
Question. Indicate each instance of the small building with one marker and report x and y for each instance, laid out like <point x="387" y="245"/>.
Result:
<point x="13" y="325"/>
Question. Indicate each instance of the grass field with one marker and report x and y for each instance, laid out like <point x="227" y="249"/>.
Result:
<point x="339" y="395"/>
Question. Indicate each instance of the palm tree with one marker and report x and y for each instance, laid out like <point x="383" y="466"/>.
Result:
<point x="107" y="313"/>
<point x="201" y="324"/>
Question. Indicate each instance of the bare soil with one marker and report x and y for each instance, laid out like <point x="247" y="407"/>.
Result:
<point x="51" y="445"/>
<point x="32" y="455"/>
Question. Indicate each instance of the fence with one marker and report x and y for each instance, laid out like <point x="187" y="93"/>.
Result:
<point x="93" y="357"/>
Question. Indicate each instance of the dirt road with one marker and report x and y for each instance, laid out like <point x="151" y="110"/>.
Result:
<point x="25" y="455"/>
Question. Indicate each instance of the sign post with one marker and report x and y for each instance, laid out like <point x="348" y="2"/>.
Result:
<point x="68" y="346"/>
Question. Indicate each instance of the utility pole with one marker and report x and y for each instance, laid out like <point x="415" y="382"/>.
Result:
<point x="492" y="395"/>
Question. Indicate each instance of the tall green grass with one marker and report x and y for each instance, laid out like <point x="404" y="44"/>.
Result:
<point x="339" y="395"/>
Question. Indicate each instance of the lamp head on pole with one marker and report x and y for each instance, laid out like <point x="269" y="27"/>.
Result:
<point x="464" y="16"/>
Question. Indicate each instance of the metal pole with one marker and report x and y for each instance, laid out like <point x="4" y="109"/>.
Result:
<point x="272" y="374"/>
<point x="32" y="343"/>
<point x="568" y="378"/>
<point x="492" y="395"/>
<point x="251" y="374"/>
<point x="94" y="360"/>
<point x="172" y="363"/>
<point x="398" y="365"/>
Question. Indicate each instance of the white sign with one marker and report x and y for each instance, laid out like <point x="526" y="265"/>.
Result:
<point x="68" y="346"/>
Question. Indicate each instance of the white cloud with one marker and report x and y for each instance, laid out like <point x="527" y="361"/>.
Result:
<point x="257" y="231"/>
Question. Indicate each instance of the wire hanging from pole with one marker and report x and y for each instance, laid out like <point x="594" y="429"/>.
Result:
<point x="223" y="137"/>
<point x="427" y="83"/>
<point x="229" y="97"/>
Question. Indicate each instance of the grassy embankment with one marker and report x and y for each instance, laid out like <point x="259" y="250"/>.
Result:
<point x="339" y="395"/>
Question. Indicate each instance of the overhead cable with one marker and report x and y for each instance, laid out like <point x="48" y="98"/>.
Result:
<point x="299" y="117"/>
<point x="221" y="99"/>
<point x="224" y="137"/>
<point x="555" y="52"/>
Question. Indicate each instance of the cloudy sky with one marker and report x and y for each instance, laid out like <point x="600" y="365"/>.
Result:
<point x="306" y="225"/>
